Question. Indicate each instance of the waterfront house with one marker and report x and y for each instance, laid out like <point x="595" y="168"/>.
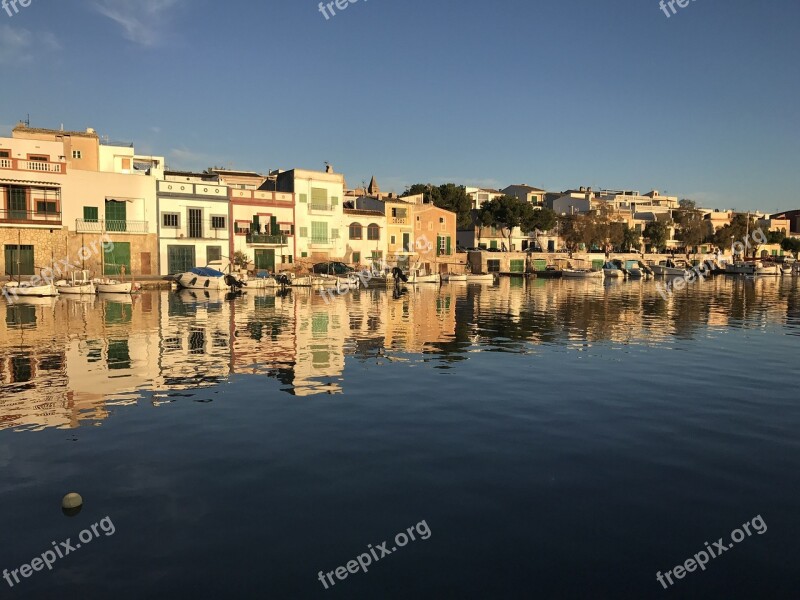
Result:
<point x="263" y="227"/>
<point x="193" y="217"/>
<point x="365" y="237"/>
<point x="400" y="242"/>
<point x="61" y="190"/>
<point x="318" y="216"/>
<point x="526" y="193"/>
<point x="435" y="228"/>
<point x="480" y="196"/>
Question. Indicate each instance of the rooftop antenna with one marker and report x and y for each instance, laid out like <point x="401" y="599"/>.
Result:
<point x="28" y="120"/>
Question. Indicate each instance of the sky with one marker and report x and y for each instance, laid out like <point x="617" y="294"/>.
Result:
<point x="702" y="104"/>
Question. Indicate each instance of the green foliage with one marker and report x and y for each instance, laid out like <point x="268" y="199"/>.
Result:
<point x="776" y="237"/>
<point x="657" y="233"/>
<point x="736" y="229"/>
<point x="240" y="259"/>
<point x="692" y="229"/>
<point x="791" y="245"/>
<point x="449" y="196"/>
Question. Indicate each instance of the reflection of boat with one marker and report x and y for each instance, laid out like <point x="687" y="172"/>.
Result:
<point x="15" y="288"/>
<point x="35" y="301"/>
<point x="582" y="274"/>
<point x="79" y="283"/>
<point x="451" y="277"/>
<point x="112" y="286"/>
<point x="115" y="298"/>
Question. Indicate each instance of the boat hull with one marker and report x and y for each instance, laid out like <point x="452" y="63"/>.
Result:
<point x="115" y="287"/>
<point x="578" y="274"/>
<point x="419" y="279"/>
<point x="485" y="278"/>
<point x="86" y="289"/>
<point x="190" y="281"/>
<point x="34" y="291"/>
<point x="449" y="278"/>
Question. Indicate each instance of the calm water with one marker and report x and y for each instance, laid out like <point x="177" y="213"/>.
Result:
<point x="559" y="439"/>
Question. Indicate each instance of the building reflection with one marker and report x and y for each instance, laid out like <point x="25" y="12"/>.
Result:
<point x="66" y="362"/>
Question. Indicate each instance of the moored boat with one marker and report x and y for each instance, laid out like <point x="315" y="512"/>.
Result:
<point x="480" y="277"/>
<point x="670" y="268"/>
<point x="582" y="274"/>
<point x="79" y="283"/>
<point x="112" y="286"/>
<point x="202" y="278"/>
<point x="611" y="269"/>
<point x="17" y="289"/>
<point x="453" y="277"/>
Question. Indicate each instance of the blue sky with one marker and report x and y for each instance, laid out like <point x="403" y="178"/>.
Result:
<point x="703" y="104"/>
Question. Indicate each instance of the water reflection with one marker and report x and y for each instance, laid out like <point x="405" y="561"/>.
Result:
<point x="65" y="361"/>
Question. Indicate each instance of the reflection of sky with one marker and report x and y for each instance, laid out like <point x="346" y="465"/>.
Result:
<point x="65" y="361"/>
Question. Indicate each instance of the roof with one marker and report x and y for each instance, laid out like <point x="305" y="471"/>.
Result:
<point x="231" y="172"/>
<point x="42" y="183"/>
<point x="525" y="186"/>
<point x="365" y="213"/>
<point x="92" y="134"/>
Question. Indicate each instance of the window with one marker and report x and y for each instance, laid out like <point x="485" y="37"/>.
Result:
<point x="126" y="164"/>
<point x="355" y="231"/>
<point x="356" y="257"/>
<point x="374" y="232"/>
<point x="319" y="232"/>
<point x="430" y="226"/>
<point x="493" y="266"/>
<point x="171" y="220"/>
<point x="180" y="259"/>
<point x="304" y="198"/>
<point x="334" y="234"/>
<point x="213" y="254"/>
<point x="242" y="228"/>
<point x="441" y="219"/>
<point x="38" y="158"/>
<point x="90" y="214"/>
<point x="76" y="154"/>
<point x="116" y="216"/>
<point x="334" y="200"/>
<point x="304" y="255"/>
<point x="304" y="232"/>
<point x="5" y="154"/>
<point x="319" y="198"/>
<point x="392" y="240"/>
<point x="218" y="222"/>
<point x="45" y="207"/>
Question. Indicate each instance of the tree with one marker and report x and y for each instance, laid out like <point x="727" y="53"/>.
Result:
<point x="657" y="232"/>
<point x="736" y="229"/>
<point x="631" y="239"/>
<point x="776" y="237"/>
<point x="791" y="245"/>
<point x="692" y="228"/>
<point x="577" y="230"/>
<point x="429" y="192"/>
<point x="454" y="198"/>
<point x="483" y="219"/>
<point x="541" y="219"/>
<point x="505" y="213"/>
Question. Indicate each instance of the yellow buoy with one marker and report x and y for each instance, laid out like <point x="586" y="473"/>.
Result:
<point x="71" y="504"/>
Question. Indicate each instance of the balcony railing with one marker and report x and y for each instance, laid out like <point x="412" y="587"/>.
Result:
<point x="276" y="240"/>
<point x="27" y="217"/>
<point x="320" y="241"/>
<point x="38" y="166"/>
<point x="110" y="226"/>
<point x="398" y="220"/>
<point x="320" y="207"/>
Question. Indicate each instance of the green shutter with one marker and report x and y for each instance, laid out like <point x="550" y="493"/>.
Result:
<point x="319" y="197"/>
<point x="438" y="245"/>
<point x="356" y="257"/>
<point x="334" y="234"/>
<point x="273" y="226"/>
<point x="90" y="214"/>
<point x="517" y="266"/>
<point x="448" y="251"/>
<point x="334" y="200"/>
<point x="493" y="244"/>
<point x="19" y="260"/>
<point x="304" y="232"/>
<point x="304" y="198"/>
<point x="116" y="215"/>
<point x="116" y="257"/>
<point x="319" y="232"/>
<point x="256" y="227"/>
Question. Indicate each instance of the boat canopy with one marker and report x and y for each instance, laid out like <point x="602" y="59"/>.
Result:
<point x="207" y="272"/>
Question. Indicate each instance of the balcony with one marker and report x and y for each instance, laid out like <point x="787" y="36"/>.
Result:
<point x="318" y="208"/>
<point x="273" y="240"/>
<point x="26" y="217"/>
<point x="110" y="226"/>
<point x="398" y="220"/>
<point x="320" y="242"/>
<point x="18" y="164"/>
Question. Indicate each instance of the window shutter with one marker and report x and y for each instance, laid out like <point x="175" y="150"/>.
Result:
<point x="304" y="198"/>
<point x="304" y="232"/>
<point x="334" y="200"/>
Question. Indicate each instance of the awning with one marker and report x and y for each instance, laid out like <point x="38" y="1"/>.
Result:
<point x="31" y="182"/>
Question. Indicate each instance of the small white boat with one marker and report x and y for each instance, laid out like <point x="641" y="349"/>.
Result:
<point x="480" y="277"/>
<point x="79" y="283"/>
<point x="451" y="277"/>
<point x="767" y="269"/>
<point x="417" y="278"/>
<point x="582" y="274"/>
<point x="612" y="270"/>
<point x="202" y="278"/>
<point x="24" y="290"/>
<point x="112" y="286"/>
<point x="669" y="268"/>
